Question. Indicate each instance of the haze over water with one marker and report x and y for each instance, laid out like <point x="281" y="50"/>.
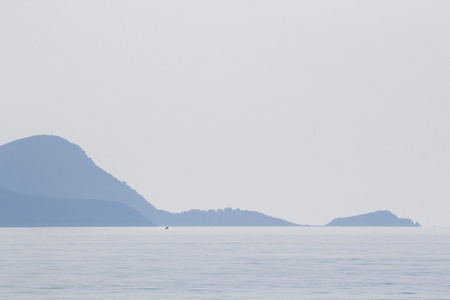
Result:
<point x="302" y="110"/>
<point x="224" y="263"/>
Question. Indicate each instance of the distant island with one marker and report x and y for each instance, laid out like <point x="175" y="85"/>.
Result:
<point x="47" y="181"/>
<point x="378" y="218"/>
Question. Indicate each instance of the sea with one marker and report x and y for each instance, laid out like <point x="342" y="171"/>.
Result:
<point x="225" y="263"/>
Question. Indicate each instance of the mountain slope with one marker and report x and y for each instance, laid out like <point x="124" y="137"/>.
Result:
<point x="225" y="217"/>
<point x="378" y="218"/>
<point x="51" y="166"/>
<point x="20" y="210"/>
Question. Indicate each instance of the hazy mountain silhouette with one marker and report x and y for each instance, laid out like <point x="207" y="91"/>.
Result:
<point x="26" y="210"/>
<point x="50" y="166"/>
<point x="225" y="217"/>
<point x="378" y="218"/>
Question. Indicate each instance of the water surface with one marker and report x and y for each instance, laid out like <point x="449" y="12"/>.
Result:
<point x="225" y="263"/>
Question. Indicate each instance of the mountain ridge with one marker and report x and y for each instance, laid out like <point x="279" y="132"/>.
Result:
<point x="51" y="166"/>
<point x="55" y="167"/>
<point x="22" y="210"/>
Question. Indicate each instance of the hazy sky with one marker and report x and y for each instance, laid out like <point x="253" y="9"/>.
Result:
<point x="304" y="110"/>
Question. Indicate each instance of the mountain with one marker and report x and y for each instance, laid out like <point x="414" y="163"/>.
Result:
<point x="378" y="218"/>
<point x="50" y="166"/>
<point x="225" y="217"/>
<point x="20" y="210"/>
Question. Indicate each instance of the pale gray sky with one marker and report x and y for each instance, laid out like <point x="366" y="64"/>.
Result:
<point x="304" y="110"/>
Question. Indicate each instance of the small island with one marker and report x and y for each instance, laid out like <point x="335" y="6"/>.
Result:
<point x="381" y="218"/>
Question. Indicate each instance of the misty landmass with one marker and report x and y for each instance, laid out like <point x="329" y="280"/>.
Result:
<point x="378" y="218"/>
<point x="222" y="217"/>
<point x="46" y="180"/>
<point x="21" y="210"/>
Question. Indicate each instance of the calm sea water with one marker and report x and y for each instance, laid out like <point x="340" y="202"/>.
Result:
<point x="225" y="263"/>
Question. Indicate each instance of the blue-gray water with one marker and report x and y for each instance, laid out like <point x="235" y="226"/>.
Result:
<point x="225" y="263"/>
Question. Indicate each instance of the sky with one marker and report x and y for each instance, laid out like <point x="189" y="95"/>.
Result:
<point x="303" y="110"/>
